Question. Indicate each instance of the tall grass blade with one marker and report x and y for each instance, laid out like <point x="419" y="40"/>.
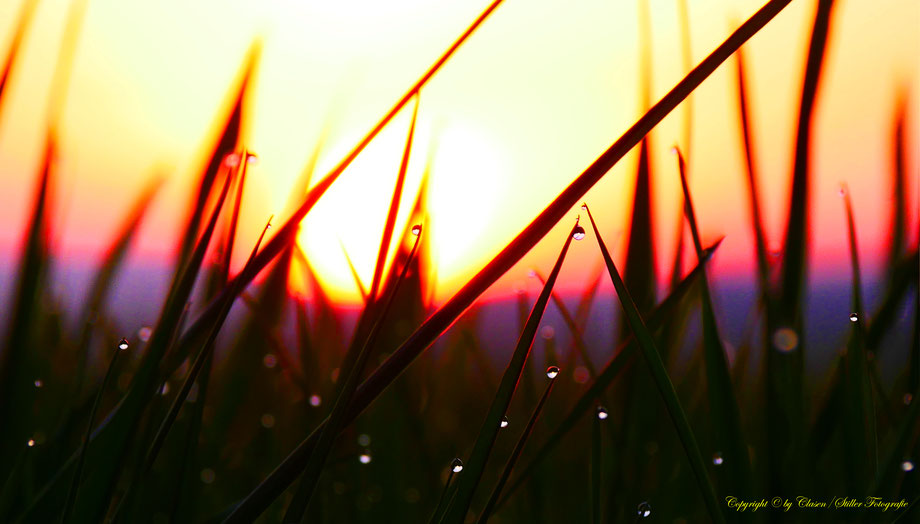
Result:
<point x="596" y="467"/>
<point x="661" y="316"/>
<point x="466" y="485"/>
<point x="23" y="21"/>
<point x="899" y="183"/>
<point x="723" y="405"/>
<point x="283" y="475"/>
<point x="859" y="422"/>
<point x="649" y="350"/>
<point x="515" y="455"/>
<point x="338" y="417"/>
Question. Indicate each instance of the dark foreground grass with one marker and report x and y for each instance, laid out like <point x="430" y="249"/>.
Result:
<point x="317" y="424"/>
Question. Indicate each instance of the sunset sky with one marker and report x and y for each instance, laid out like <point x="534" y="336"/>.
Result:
<point x="537" y="93"/>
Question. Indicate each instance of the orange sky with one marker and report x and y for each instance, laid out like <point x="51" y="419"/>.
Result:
<point x="529" y="101"/>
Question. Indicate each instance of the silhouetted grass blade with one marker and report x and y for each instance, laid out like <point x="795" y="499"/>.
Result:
<point x="647" y="344"/>
<point x="23" y="21"/>
<point x="466" y="485"/>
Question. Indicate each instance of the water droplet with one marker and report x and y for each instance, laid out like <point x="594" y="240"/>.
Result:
<point x="908" y="398"/>
<point x="548" y="332"/>
<point x="717" y="458"/>
<point x="268" y="226"/>
<point x="532" y="274"/>
<point x="674" y="150"/>
<point x="503" y="423"/>
<point x="584" y="207"/>
<point x="269" y="360"/>
<point x="38" y="383"/>
<point x="364" y="440"/>
<point x="30" y="443"/>
<point x="907" y="465"/>
<point x="578" y="233"/>
<point x="251" y="159"/>
<point x="164" y="389"/>
<point x="232" y="159"/>
<point x="144" y="333"/>
<point x="601" y="412"/>
<point x="315" y="400"/>
<point x="416" y="229"/>
<point x="644" y="509"/>
<point x="268" y="421"/>
<point x="552" y="372"/>
<point x="207" y="475"/>
<point x="123" y="344"/>
<point x="854" y="317"/>
<point x="842" y="191"/>
<point x="581" y="374"/>
<point x="365" y="458"/>
<point x="456" y="465"/>
<point x="785" y="340"/>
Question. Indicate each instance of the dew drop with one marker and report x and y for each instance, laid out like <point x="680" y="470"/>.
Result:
<point x="38" y="383"/>
<point x="365" y="458"/>
<point x="269" y="360"/>
<point x="207" y="475"/>
<point x="30" y="443"/>
<point x="503" y="423"/>
<point x="123" y="344"/>
<point x="908" y="398"/>
<point x="584" y="207"/>
<point x="601" y="412"/>
<point x="315" y="400"/>
<point x="717" y="458"/>
<point x="268" y="226"/>
<point x="674" y="150"/>
<point x="842" y="191"/>
<point x="164" y="389"/>
<point x="144" y="333"/>
<point x="907" y="465"/>
<point x="854" y="317"/>
<point x="532" y="274"/>
<point x="268" y="421"/>
<point x="252" y="159"/>
<point x="416" y="229"/>
<point x="578" y="233"/>
<point x="552" y="372"/>
<point x="785" y="340"/>
<point x="644" y="509"/>
<point x="232" y="159"/>
<point x="364" y="440"/>
<point x="456" y="465"/>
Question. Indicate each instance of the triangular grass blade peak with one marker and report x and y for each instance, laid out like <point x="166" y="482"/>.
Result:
<point x="23" y="21"/>
<point x="723" y="406"/>
<point x="338" y="417"/>
<point x="649" y="350"/>
<point x="466" y="485"/>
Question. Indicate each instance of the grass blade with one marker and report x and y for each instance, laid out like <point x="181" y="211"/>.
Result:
<point x="596" y="464"/>
<point x="647" y="344"/>
<point x="515" y="454"/>
<point x="22" y="25"/>
<point x="569" y="320"/>
<point x="338" y="417"/>
<point x="466" y="485"/>
<point x="723" y="406"/>
<point x="899" y="183"/>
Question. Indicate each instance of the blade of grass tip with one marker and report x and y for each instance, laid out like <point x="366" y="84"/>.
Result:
<point x="659" y="317"/>
<point x="516" y="452"/>
<point x="572" y="327"/>
<point x="390" y="223"/>
<point x="222" y="153"/>
<point x="456" y="466"/>
<point x="899" y="182"/>
<point x="284" y="474"/>
<point x="458" y="507"/>
<point x="337" y="419"/>
<point x="111" y="262"/>
<point x="760" y="243"/>
<point x="723" y="405"/>
<point x="15" y="359"/>
<point x="81" y="458"/>
<point x="203" y="355"/>
<point x="647" y="345"/>
<point x="860" y="434"/>
<point x="23" y="21"/>
<point x="354" y="274"/>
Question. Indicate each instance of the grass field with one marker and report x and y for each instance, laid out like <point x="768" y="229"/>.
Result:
<point x="290" y="412"/>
